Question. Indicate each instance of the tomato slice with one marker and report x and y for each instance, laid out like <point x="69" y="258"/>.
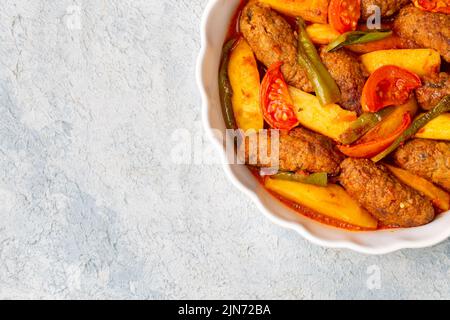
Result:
<point x="442" y="6"/>
<point x="276" y="102"/>
<point x="343" y="15"/>
<point x="368" y="149"/>
<point x="388" y="85"/>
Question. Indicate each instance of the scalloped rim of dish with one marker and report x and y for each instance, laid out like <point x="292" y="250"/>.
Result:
<point x="363" y="242"/>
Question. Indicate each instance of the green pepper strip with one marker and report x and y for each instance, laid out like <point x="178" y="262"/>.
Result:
<point x="225" y="89"/>
<point x="324" y="85"/>
<point x="318" y="179"/>
<point x="419" y="123"/>
<point x="363" y="124"/>
<point x="357" y="37"/>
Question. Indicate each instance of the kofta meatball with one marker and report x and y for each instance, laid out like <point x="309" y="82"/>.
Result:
<point x="427" y="29"/>
<point x="387" y="7"/>
<point x="348" y="73"/>
<point x="388" y="200"/>
<point x="433" y="89"/>
<point x="300" y="149"/>
<point x="428" y="159"/>
<point x="272" y="40"/>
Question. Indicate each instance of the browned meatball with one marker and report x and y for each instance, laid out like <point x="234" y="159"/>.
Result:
<point x="433" y="90"/>
<point x="348" y="73"/>
<point x="272" y="40"/>
<point x="387" y="7"/>
<point x="427" y="29"/>
<point x="426" y="158"/>
<point x="300" y="149"/>
<point x="391" y="202"/>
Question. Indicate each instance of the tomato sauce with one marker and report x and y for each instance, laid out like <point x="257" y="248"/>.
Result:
<point x="233" y="29"/>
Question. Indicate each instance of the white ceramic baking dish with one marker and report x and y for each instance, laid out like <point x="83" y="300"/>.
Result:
<point x="214" y="26"/>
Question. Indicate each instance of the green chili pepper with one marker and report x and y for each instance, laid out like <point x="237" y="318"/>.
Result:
<point x="318" y="179"/>
<point x="357" y="37"/>
<point x="225" y="90"/>
<point x="324" y="85"/>
<point x="419" y="123"/>
<point x="363" y="124"/>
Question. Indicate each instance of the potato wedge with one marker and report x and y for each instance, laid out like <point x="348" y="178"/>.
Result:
<point x="321" y="33"/>
<point x="436" y="129"/>
<point x="244" y="78"/>
<point x="395" y="119"/>
<point x="420" y="61"/>
<point x="310" y="10"/>
<point x="439" y="197"/>
<point x="330" y="120"/>
<point x="332" y="201"/>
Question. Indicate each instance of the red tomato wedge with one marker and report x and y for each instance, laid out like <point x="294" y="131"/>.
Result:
<point x="276" y="102"/>
<point x="343" y="15"/>
<point x="387" y="86"/>
<point x="368" y="149"/>
<point x="442" y="6"/>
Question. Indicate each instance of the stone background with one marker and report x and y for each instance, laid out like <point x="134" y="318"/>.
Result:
<point x="95" y="98"/>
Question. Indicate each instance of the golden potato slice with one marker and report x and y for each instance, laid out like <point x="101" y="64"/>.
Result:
<point x="244" y="78"/>
<point x="420" y="61"/>
<point x="439" y="197"/>
<point x="321" y="33"/>
<point x="330" y="120"/>
<point x="332" y="201"/>
<point x="436" y="129"/>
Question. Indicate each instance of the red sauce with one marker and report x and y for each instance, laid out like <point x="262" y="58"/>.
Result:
<point x="233" y="29"/>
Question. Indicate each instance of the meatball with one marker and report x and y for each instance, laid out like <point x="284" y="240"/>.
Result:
<point x="348" y="73"/>
<point x="300" y="149"/>
<point x="392" y="203"/>
<point x="433" y="90"/>
<point x="427" y="29"/>
<point x="387" y="7"/>
<point x="426" y="158"/>
<point x="272" y="40"/>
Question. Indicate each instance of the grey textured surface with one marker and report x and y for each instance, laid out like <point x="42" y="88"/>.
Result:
<point x="91" y="206"/>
